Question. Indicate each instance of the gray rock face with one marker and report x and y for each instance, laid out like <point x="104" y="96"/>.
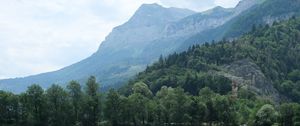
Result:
<point x="144" y="27"/>
<point x="198" y="22"/>
<point x="207" y="20"/>
<point x="248" y="75"/>
<point x="271" y="19"/>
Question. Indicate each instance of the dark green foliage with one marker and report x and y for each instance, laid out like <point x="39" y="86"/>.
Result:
<point x="138" y="109"/>
<point x="8" y="108"/>
<point x="287" y="113"/>
<point x="113" y="107"/>
<point x="76" y="98"/>
<point x="266" y="116"/>
<point x="54" y="107"/>
<point x="58" y="106"/>
<point x="225" y="113"/>
<point x="294" y="75"/>
<point x="296" y="118"/>
<point x="197" y="110"/>
<point x="36" y="105"/>
<point x="93" y="104"/>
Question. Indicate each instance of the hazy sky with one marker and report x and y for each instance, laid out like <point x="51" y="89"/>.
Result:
<point x="43" y="35"/>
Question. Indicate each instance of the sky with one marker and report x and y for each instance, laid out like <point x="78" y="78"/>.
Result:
<point x="38" y="36"/>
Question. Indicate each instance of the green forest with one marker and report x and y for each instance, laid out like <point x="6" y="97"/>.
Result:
<point x="179" y="89"/>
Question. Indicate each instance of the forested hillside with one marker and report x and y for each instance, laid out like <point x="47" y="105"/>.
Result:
<point x="205" y="85"/>
<point x="275" y="50"/>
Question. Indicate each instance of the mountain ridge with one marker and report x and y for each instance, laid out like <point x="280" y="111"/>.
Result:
<point x="128" y="50"/>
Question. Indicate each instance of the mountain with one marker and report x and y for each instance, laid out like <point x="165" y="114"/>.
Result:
<point x="265" y="61"/>
<point x="264" y="12"/>
<point x="153" y="31"/>
<point x="118" y="56"/>
<point x="208" y="19"/>
<point x="128" y="40"/>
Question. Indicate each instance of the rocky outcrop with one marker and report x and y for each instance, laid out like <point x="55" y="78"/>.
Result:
<point x="271" y="19"/>
<point x="249" y="76"/>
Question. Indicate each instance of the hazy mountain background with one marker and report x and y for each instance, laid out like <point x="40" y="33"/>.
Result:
<point x="153" y="31"/>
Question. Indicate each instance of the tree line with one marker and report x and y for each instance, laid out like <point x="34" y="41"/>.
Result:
<point x="77" y="106"/>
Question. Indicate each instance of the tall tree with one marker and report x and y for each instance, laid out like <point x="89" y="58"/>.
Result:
<point x="296" y="118"/>
<point x="181" y="106"/>
<point x="113" y="106"/>
<point x="198" y="111"/>
<point x="58" y="106"/>
<point x="207" y="95"/>
<point x="226" y="115"/>
<point x="143" y="89"/>
<point x="138" y="108"/>
<point x="287" y="112"/>
<point x="166" y="101"/>
<point x="36" y="105"/>
<point x="266" y="116"/>
<point x="76" y="97"/>
<point x="93" y="105"/>
<point x="9" y="106"/>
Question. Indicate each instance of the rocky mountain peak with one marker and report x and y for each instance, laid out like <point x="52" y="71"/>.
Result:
<point x="246" y="4"/>
<point x="218" y="8"/>
<point x="155" y="14"/>
<point x="150" y="6"/>
<point x="143" y="27"/>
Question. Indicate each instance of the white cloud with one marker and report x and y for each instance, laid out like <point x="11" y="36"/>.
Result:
<point x="43" y="35"/>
